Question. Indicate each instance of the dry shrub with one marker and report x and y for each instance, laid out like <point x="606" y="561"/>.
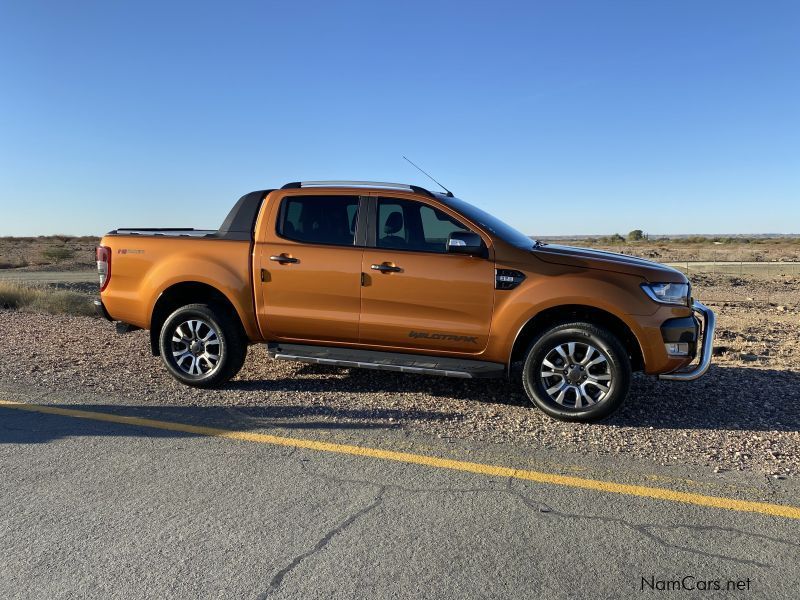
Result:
<point x="58" y="254"/>
<point x="13" y="295"/>
<point x="12" y="264"/>
<point x="16" y="296"/>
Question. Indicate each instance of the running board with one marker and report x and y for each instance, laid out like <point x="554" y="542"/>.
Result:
<point x="386" y="361"/>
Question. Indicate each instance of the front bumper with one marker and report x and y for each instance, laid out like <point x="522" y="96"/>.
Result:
<point x="708" y="322"/>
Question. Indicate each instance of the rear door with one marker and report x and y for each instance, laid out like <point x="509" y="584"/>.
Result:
<point x="415" y="294"/>
<point x="308" y="280"/>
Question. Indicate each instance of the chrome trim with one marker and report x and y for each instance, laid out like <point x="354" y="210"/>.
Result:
<point x="709" y="321"/>
<point x="381" y="184"/>
<point x="166" y="232"/>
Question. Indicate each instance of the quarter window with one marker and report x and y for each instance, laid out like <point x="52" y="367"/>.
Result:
<point x="409" y="225"/>
<point x="329" y="220"/>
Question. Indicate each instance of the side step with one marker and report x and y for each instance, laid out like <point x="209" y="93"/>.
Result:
<point x="387" y="361"/>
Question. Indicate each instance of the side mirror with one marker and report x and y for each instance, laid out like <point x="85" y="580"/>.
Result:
<point x="466" y="242"/>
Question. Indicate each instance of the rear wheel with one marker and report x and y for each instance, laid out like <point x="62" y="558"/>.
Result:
<point x="202" y="345"/>
<point x="577" y="372"/>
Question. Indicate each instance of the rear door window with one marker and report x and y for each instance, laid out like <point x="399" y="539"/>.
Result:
<point x="327" y="220"/>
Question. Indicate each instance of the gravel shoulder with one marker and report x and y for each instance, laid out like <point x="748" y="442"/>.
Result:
<point x="742" y="416"/>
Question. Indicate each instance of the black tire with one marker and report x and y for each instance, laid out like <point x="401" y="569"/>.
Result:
<point x="581" y="396"/>
<point x="229" y="344"/>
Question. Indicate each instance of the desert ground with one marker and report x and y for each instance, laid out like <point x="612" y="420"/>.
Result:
<point x="52" y="252"/>
<point x="743" y="415"/>
<point x="695" y="248"/>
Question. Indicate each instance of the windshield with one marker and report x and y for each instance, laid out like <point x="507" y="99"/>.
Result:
<point x="490" y="223"/>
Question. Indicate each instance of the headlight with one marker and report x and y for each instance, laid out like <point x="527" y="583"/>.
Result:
<point x="668" y="293"/>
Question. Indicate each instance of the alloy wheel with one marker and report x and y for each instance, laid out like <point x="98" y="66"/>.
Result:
<point x="196" y="347"/>
<point x="576" y="375"/>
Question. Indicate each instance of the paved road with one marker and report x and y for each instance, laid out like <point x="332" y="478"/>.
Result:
<point x="738" y="267"/>
<point x="49" y="276"/>
<point x="108" y="510"/>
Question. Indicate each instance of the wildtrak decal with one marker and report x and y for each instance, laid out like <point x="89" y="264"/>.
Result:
<point x="443" y="336"/>
<point x="129" y="251"/>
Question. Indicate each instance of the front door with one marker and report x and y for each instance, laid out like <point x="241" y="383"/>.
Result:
<point x="308" y="283"/>
<point x="415" y="294"/>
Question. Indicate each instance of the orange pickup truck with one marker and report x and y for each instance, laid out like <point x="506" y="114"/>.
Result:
<point x="393" y="276"/>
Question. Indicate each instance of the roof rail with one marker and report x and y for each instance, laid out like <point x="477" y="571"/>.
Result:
<point x="365" y="184"/>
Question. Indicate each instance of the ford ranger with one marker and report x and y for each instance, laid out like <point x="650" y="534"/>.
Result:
<point x="393" y="276"/>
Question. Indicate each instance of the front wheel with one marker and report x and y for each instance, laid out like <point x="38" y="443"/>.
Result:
<point x="577" y="372"/>
<point x="202" y="345"/>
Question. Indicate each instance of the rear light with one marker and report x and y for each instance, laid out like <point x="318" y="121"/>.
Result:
<point x="104" y="265"/>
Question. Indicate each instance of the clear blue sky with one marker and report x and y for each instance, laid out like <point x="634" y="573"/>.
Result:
<point x="560" y="117"/>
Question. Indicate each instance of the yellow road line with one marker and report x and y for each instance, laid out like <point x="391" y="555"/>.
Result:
<point x="777" y="510"/>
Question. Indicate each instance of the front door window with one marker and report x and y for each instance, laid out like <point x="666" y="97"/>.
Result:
<point x="409" y="225"/>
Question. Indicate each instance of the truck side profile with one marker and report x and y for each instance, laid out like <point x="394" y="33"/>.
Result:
<point x="393" y="276"/>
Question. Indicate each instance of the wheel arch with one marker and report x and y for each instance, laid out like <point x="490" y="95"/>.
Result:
<point x="577" y="312"/>
<point x="181" y="294"/>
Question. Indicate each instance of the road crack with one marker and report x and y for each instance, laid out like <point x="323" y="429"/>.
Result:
<point x="278" y="578"/>
<point x="645" y="529"/>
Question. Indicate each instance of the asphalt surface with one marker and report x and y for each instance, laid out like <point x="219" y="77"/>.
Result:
<point x="106" y="510"/>
<point x="48" y="276"/>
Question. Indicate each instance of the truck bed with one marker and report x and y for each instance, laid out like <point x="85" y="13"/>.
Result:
<point x="145" y="262"/>
<point x="238" y="225"/>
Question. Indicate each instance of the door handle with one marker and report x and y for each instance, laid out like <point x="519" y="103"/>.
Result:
<point x="283" y="259"/>
<point x="386" y="268"/>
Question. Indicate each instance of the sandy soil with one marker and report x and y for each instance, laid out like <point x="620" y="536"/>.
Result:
<point x="48" y="253"/>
